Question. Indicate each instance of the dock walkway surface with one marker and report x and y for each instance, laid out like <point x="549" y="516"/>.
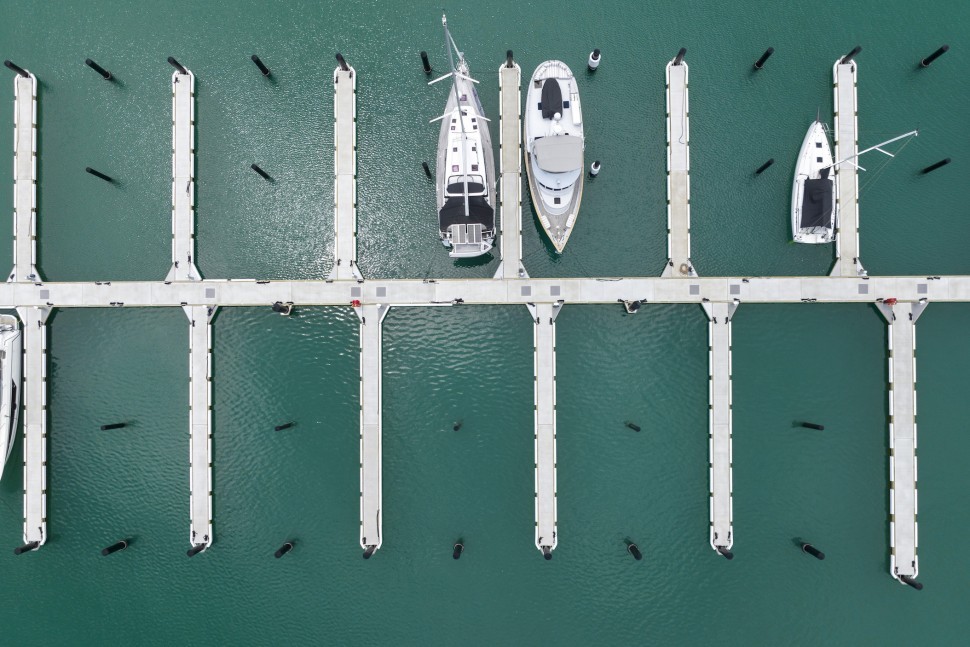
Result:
<point x="903" y="508"/>
<point x="345" y="174"/>
<point x="25" y="179"/>
<point x="606" y="290"/>
<point x="371" y="321"/>
<point x="35" y="423"/>
<point x="200" y="423"/>
<point x="183" y="178"/>
<point x="34" y="319"/>
<point x="847" y="262"/>
<point x="544" y="375"/>
<point x="719" y="348"/>
<point x="510" y="155"/>
<point x="678" y="173"/>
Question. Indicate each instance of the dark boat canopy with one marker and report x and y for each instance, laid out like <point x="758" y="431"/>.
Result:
<point x="459" y="188"/>
<point x="453" y="213"/>
<point x="551" y="98"/>
<point x="817" y="204"/>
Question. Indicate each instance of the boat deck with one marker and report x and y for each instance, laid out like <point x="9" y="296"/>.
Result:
<point x="25" y="179"/>
<point x="544" y="318"/>
<point x="183" y="178"/>
<point x="903" y="509"/>
<point x="847" y="261"/>
<point x="721" y="484"/>
<point x="345" y="174"/>
<point x="678" y="174"/>
<point x="371" y="320"/>
<point x="510" y="156"/>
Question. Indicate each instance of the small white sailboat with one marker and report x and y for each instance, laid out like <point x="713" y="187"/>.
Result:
<point x="814" y="211"/>
<point x="465" y="164"/>
<point x="554" y="145"/>
<point x="11" y="374"/>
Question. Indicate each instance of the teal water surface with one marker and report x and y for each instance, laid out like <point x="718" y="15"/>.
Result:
<point x="474" y="364"/>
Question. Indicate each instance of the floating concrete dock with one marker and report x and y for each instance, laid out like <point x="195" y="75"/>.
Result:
<point x="25" y="179"/>
<point x="34" y="319"/>
<point x="371" y="300"/>
<point x="345" y="174"/>
<point x="418" y="292"/>
<point x="719" y="348"/>
<point x="903" y="526"/>
<point x="847" y="261"/>
<point x="200" y="423"/>
<point x="510" y="154"/>
<point x="35" y="423"/>
<point x="199" y="315"/>
<point x="678" y="173"/>
<point x="371" y="320"/>
<point x="544" y="375"/>
<point x="183" y="178"/>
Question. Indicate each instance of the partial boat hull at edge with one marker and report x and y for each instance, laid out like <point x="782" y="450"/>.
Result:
<point x="11" y="381"/>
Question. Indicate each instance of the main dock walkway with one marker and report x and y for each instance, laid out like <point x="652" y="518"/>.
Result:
<point x="607" y="290"/>
<point x="544" y="374"/>
<point x="510" y="155"/>
<point x="903" y="527"/>
<point x="847" y="261"/>
<point x="678" y="172"/>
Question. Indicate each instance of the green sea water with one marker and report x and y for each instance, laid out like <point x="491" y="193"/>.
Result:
<point x="477" y="484"/>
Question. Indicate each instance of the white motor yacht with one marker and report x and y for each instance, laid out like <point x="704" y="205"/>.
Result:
<point x="554" y="145"/>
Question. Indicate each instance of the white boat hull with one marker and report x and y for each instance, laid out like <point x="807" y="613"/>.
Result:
<point x="556" y="186"/>
<point x="11" y="382"/>
<point x="814" y="157"/>
<point x="465" y="164"/>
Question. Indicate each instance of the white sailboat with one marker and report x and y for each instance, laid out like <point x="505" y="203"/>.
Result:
<point x="11" y="374"/>
<point x="814" y="211"/>
<point x="465" y="165"/>
<point x="554" y="145"/>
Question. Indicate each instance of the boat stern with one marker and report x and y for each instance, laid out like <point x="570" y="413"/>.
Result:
<point x="467" y="240"/>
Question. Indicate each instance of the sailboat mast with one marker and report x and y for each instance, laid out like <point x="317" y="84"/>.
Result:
<point x="449" y="43"/>
<point x="877" y="147"/>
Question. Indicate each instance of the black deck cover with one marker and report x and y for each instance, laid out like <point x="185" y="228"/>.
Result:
<point x="551" y="98"/>
<point x="459" y="187"/>
<point x="817" y="204"/>
<point x="453" y="213"/>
